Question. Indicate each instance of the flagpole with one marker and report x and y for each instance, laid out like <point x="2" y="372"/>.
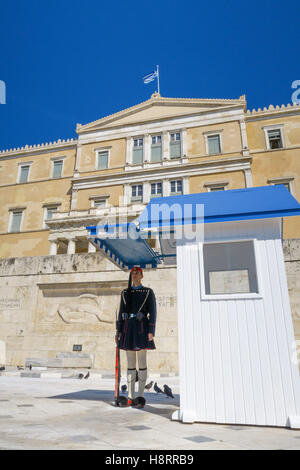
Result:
<point x="157" y="71"/>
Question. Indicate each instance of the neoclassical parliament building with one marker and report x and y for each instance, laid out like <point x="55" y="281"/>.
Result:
<point x="59" y="294"/>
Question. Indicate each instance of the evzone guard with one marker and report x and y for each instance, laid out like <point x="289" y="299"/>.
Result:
<point x="135" y="332"/>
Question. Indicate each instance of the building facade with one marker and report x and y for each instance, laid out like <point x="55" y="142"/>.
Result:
<point x="160" y="147"/>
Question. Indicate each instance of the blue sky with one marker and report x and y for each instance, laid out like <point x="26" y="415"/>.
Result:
<point x="68" y="61"/>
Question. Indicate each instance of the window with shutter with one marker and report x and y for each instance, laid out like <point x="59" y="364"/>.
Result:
<point x="48" y="214"/>
<point x="175" y="145"/>
<point x="137" y="192"/>
<point x="176" y="187"/>
<point x="275" y="140"/>
<point x="137" y="152"/>
<point x="24" y="172"/>
<point x="57" y="169"/>
<point x="16" y="221"/>
<point x="99" y="203"/>
<point x="156" y="190"/>
<point x="102" y="160"/>
<point x="213" y="143"/>
<point x="156" y="148"/>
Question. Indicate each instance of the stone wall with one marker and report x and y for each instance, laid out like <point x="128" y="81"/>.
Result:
<point x="291" y="250"/>
<point x="50" y="303"/>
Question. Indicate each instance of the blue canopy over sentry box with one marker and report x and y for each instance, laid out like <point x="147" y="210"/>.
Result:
<point x="126" y="244"/>
<point x="233" y="303"/>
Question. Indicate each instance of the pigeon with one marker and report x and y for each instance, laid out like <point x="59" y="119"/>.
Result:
<point x="168" y="391"/>
<point x="124" y="388"/>
<point x="80" y="376"/>
<point x="157" y="389"/>
<point x="87" y="375"/>
<point x="149" y="385"/>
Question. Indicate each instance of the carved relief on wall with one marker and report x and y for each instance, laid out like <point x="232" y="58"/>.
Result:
<point x="85" y="309"/>
<point x="93" y="304"/>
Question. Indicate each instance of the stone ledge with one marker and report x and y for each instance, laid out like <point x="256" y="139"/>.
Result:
<point x="62" y="361"/>
<point x="74" y="374"/>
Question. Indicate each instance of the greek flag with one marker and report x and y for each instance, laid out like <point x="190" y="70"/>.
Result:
<point x="150" y="77"/>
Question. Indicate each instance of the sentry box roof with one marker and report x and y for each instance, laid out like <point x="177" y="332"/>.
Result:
<point x="126" y="244"/>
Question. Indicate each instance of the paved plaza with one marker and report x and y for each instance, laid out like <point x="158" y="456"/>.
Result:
<point x="52" y="411"/>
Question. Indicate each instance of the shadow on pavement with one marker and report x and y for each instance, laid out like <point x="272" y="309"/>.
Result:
<point x="107" y="396"/>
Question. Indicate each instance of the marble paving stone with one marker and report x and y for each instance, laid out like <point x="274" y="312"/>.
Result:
<point x="236" y="428"/>
<point x="199" y="439"/>
<point x="138" y="428"/>
<point x="83" y="438"/>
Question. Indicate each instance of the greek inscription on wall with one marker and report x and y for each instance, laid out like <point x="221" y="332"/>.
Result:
<point x="166" y="301"/>
<point x="10" y="304"/>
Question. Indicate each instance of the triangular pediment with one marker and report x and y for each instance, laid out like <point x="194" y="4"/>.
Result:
<point x="159" y="108"/>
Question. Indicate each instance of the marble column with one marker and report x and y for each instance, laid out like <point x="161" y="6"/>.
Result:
<point x="91" y="248"/>
<point x="71" y="246"/>
<point x="53" y="247"/>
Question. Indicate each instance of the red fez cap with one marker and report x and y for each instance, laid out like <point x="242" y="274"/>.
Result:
<point x="136" y="268"/>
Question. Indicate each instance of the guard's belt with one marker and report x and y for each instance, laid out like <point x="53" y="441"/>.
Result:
<point x="139" y="315"/>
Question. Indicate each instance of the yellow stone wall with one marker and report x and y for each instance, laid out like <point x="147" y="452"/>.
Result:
<point x="236" y="180"/>
<point x="291" y="130"/>
<point x="40" y="189"/>
<point x="117" y="153"/>
<point x="84" y="203"/>
<point x="230" y="135"/>
<point x="271" y="164"/>
<point x="40" y="168"/>
<point x="33" y="243"/>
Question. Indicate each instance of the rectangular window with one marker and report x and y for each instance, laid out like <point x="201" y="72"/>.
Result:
<point x="137" y="192"/>
<point x="217" y="188"/>
<point x="156" y="148"/>
<point x="49" y="214"/>
<point x="175" y="145"/>
<point x="99" y="203"/>
<point x="57" y="168"/>
<point x="287" y="185"/>
<point x="24" y="172"/>
<point x="16" y="218"/>
<point x="156" y="190"/>
<point x="176" y="187"/>
<point x="275" y="139"/>
<point x="102" y="162"/>
<point x="137" y="152"/>
<point x="213" y="144"/>
<point x="50" y="211"/>
<point x="230" y="268"/>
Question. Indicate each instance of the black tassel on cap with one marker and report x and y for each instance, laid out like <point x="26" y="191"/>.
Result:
<point x="129" y="282"/>
<point x="128" y="295"/>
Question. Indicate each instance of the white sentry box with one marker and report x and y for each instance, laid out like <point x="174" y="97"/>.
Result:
<point x="237" y="351"/>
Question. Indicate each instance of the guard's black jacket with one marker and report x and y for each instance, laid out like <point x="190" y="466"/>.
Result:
<point x="134" y="331"/>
